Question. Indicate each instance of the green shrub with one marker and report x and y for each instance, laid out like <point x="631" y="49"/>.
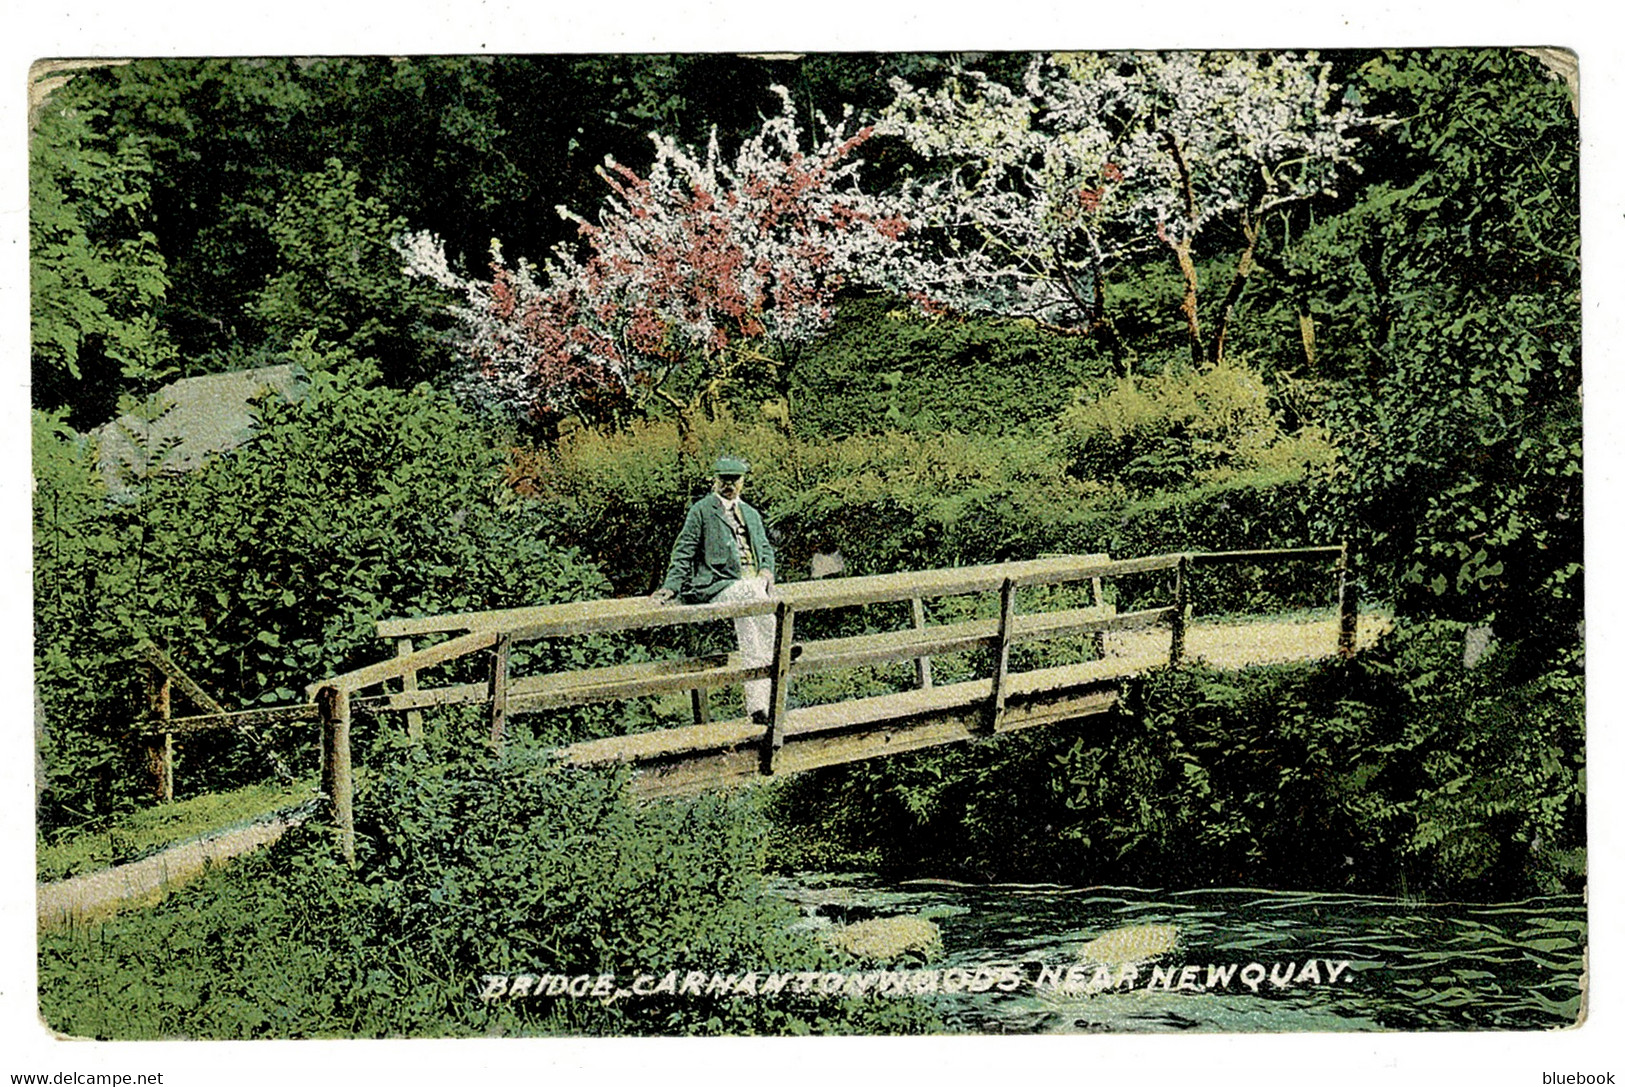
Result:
<point x="266" y="568"/>
<point x="338" y="275"/>
<point x="467" y="870"/>
<point x="1403" y="772"/>
<point x="884" y="368"/>
<point x="1183" y="427"/>
<point x="903" y="501"/>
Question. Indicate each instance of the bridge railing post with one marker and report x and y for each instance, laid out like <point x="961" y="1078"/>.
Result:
<point x="922" y="665"/>
<point x="338" y="782"/>
<point x="1001" y="657"/>
<point x="1348" y="605"/>
<point x="784" y="629"/>
<point x="1097" y="640"/>
<point x="1182" y="581"/>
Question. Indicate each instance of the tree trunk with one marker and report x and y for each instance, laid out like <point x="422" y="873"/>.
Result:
<point x="1187" y="306"/>
<point x="1182" y="250"/>
<point x="1250" y="229"/>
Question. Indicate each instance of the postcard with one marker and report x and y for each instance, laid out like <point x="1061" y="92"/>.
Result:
<point x="633" y="544"/>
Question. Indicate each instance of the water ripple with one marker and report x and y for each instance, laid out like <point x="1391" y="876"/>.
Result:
<point x="1407" y="965"/>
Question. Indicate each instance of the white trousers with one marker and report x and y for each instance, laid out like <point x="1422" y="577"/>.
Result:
<point x="755" y="634"/>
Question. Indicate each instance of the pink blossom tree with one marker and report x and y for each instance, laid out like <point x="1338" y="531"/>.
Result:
<point x="706" y="272"/>
<point x="1099" y="159"/>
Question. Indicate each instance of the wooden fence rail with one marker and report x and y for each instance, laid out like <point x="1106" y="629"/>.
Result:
<point x="164" y="679"/>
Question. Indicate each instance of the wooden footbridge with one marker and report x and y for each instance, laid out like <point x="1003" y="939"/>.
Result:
<point x="1104" y="647"/>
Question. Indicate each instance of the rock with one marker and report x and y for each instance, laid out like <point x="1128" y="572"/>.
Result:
<point x="1136" y="943"/>
<point x="886" y="939"/>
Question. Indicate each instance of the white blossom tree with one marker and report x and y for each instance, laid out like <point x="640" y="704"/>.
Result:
<point x="710" y="268"/>
<point x="1096" y="159"/>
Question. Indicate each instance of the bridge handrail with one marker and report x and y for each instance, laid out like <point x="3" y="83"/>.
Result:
<point x="485" y="628"/>
<point x="629" y="613"/>
<point x="638" y="612"/>
<point x="1214" y="558"/>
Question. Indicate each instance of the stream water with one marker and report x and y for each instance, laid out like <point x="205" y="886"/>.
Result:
<point x="1054" y="959"/>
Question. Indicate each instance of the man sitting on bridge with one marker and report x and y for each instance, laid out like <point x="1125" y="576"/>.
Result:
<point x="723" y="556"/>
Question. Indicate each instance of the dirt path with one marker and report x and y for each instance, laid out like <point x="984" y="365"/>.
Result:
<point x="1239" y="645"/>
<point x="97" y="895"/>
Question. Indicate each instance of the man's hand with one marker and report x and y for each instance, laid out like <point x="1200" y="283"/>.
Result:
<point x="662" y="596"/>
<point x="767" y="579"/>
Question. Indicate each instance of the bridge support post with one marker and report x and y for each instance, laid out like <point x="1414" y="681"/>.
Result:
<point x="1348" y="605"/>
<point x="1182" y="591"/>
<point x="784" y="630"/>
<point x="1001" y="657"/>
<point x="1097" y="640"/>
<point x="338" y="782"/>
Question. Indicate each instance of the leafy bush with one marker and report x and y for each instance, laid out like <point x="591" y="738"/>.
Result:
<point x="96" y="274"/>
<point x="884" y="368"/>
<point x="1183" y="427"/>
<point x="266" y="568"/>
<point x="468" y="869"/>
<point x="1407" y="771"/>
<point x="901" y="501"/>
<point x="338" y="276"/>
<point x="1463" y="424"/>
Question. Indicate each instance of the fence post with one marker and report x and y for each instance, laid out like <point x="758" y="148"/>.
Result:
<point x="1001" y="656"/>
<point x="338" y="782"/>
<point x="409" y="684"/>
<point x="499" y="692"/>
<point x="1097" y="641"/>
<point x="1176" y="642"/>
<point x="922" y="665"/>
<point x="698" y="697"/>
<point x="784" y="627"/>
<point x="1348" y="604"/>
<point x="161" y="745"/>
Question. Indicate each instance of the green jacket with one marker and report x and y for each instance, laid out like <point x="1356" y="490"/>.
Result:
<point x="704" y="560"/>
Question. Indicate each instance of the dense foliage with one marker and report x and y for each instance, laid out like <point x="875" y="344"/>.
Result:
<point x="468" y="870"/>
<point x="339" y="278"/>
<point x="1462" y="432"/>
<point x="906" y="499"/>
<point x="882" y="367"/>
<point x="1412" y="771"/>
<point x="265" y="568"/>
<point x="96" y="271"/>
